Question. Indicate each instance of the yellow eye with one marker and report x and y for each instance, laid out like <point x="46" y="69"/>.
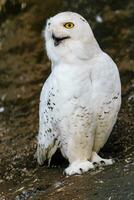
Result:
<point x="69" y="25"/>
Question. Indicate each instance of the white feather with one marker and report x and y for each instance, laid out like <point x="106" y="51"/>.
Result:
<point x="81" y="98"/>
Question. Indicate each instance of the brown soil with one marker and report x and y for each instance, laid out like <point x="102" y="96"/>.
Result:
<point x="23" y="70"/>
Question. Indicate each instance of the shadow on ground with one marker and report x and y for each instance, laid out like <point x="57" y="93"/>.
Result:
<point x="23" y="70"/>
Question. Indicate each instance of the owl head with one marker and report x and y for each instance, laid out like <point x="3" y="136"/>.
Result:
<point x="69" y="37"/>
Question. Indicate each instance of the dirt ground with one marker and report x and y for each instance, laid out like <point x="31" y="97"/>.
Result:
<point x="23" y="69"/>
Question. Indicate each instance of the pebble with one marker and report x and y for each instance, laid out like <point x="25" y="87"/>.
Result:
<point x="2" y="109"/>
<point x="99" y="19"/>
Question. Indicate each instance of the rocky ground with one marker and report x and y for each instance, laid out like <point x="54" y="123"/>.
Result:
<point x="23" y="70"/>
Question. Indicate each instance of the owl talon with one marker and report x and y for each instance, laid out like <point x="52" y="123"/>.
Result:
<point x="102" y="162"/>
<point x="78" y="167"/>
<point x="95" y="158"/>
<point x="95" y="164"/>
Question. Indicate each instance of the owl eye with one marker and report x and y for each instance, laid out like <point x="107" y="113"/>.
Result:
<point x="69" y="25"/>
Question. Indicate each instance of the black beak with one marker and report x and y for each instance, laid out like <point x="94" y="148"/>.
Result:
<point x="58" y="40"/>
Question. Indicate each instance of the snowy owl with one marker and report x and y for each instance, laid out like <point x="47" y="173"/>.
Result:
<point x="81" y="98"/>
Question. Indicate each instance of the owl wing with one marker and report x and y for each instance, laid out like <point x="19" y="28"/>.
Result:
<point x="47" y="137"/>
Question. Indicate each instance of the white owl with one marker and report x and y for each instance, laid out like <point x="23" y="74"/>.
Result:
<point x="81" y="98"/>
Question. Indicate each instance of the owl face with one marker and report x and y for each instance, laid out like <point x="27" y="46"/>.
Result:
<point x="65" y="27"/>
<point x="67" y="35"/>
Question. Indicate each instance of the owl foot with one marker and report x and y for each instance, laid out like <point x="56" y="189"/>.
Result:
<point x="78" y="167"/>
<point x="97" y="160"/>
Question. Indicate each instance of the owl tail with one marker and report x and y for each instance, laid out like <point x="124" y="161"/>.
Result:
<point x="43" y="153"/>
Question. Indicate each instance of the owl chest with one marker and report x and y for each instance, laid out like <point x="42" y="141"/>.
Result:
<point x="69" y="96"/>
<point x="72" y="82"/>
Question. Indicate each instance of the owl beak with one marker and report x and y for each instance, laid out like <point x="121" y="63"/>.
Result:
<point x="58" y="40"/>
